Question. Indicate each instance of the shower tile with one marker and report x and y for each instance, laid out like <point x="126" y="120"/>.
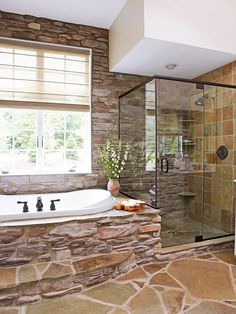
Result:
<point x="229" y="141"/>
<point x="210" y="158"/>
<point x="234" y="77"/>
<point x="227" y="98"/>
<point x="218" y="114"/>
<point x="228" y="79"/>
<point x="207" y="184"/>
<point x="227" y="172"/>
<point x="227" y="112"/>
<point x="216" y="74"/>
<point x="227" y="69"/>
<point x="207" y="197"/>
<point x="228" y="127"/>
<point x="230" y="159"/>
<point x="226" y="220"/>
<point x="227" y="194"/>
<point x="219" y="139"/>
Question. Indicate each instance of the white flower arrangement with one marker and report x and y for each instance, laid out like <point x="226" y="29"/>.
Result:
<point x="113" y="158"/>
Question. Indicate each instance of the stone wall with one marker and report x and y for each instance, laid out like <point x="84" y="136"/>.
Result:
<point x="43" y="261"/>
<point x="106" y="87"/>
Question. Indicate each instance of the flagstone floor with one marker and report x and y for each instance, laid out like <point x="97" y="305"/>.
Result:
<point x="205" y="284"/>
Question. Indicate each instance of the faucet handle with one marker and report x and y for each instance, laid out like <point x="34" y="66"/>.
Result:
<point x="52" y="206"/>
<point x="25" y="207"/>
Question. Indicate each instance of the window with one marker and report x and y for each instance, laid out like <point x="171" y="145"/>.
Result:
<point x="44" y="108"/>
<point x="44" y="141"/>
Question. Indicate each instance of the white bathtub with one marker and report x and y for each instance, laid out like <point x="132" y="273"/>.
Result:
<point x="84" y="202"/>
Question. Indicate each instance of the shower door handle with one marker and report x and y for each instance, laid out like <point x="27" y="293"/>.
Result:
<point x="164" y="161"/>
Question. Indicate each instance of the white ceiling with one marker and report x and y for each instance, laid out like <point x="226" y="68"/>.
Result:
<point x="99" y="13"/>
<point x="149" y="34"/>
<point x="150" y="56"/>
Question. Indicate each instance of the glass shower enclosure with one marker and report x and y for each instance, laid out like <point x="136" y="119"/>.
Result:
<point x="181" y="134"/>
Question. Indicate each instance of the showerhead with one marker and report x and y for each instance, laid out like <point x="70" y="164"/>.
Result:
<point x="201" y="101"/>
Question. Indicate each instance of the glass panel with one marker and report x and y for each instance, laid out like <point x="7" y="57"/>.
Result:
<point x="180" y="167"/>
<point x="67" y="140"/>
<point x="179" y="132"/>
<point x="218" y="217"/>
<point x="54" y="159"/>
<point x="18" y="140"/>
<point x="137" y="126"/>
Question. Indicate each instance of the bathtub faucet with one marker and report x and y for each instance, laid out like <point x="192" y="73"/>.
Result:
<point x="39" y="204"/>
<point x="52" y="206"/>
<point x="25" y="207"/>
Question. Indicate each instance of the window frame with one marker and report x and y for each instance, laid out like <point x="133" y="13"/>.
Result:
<point x="21" y="104"/>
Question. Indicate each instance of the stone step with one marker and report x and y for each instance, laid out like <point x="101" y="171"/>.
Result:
<point x="49" y="279"/>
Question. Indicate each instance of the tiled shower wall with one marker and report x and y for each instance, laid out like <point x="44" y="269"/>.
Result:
<point x="220" y="129"/>
<point x="106" y="87"/>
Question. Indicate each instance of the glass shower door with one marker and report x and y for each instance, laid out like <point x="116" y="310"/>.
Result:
<point x="180" y="125"/>
<point x="219" y="156"/>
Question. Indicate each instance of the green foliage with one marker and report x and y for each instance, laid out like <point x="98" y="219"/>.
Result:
<point x="113" y="158"/>
<point x="61" y="131"/>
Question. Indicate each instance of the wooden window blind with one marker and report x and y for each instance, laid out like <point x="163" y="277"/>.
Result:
<point x="43" y="76"/>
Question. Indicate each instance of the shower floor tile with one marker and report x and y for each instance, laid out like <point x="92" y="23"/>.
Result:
<point x="183" y="230"/>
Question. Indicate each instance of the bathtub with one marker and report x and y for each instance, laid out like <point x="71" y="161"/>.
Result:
<point x="84" y="202"/>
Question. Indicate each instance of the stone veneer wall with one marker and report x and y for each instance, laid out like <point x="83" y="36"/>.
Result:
<point x="59" y="258"/>
<point x="106" y="87"/>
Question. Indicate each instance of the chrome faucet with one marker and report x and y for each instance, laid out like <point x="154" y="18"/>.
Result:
<point x="39" y="204"/>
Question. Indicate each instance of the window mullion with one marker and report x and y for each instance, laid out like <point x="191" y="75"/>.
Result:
<point x="40" y="150"/>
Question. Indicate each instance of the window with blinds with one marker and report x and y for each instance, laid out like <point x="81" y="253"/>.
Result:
<point x="41" y="76"/>
<point x="45" y="120"/>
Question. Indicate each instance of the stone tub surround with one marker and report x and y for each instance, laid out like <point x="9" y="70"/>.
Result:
<point x="47" y="260"/>
<point x="106" y="87"/>
<point x="163" y="288"/>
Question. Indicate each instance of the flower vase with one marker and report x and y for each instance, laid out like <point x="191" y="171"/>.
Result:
<point x="113" y="186"/>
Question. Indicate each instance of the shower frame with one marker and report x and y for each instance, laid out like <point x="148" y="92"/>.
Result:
<point x="199" y="85"/>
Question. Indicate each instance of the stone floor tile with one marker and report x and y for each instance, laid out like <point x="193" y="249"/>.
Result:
<point x="189" y="300"/>
<point x="234" y="271"/>
<point x="68" y="305"/>
<point x="159" y="288"/>
<point x="227" y="256"/>
<point x="204" y="279"/>
<point x="205" y="256"/>
<point x="155" y="267"/>
<point x="139" y="283"/>
<point x="119" y="311"/>
<point x="9" y="311"/>
<point x="163" y="279"/>
<point x="111" y="292"/>
<point x="233" y="303"/>
<point x="146" y="302"/>
<point x="136" y="273"/>
<point x="173" y="300"/>
<point x="210" y="307"/>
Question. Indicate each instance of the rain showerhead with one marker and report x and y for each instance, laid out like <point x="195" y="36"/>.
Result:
<point x="201" y="101"/>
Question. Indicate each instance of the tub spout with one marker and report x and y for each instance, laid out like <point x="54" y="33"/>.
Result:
<point x="39" y="204"/>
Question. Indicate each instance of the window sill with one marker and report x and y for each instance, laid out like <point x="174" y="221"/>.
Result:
<point x="38" y="173"/>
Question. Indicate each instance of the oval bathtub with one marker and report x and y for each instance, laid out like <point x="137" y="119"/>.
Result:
<point x="76" y="203"/>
